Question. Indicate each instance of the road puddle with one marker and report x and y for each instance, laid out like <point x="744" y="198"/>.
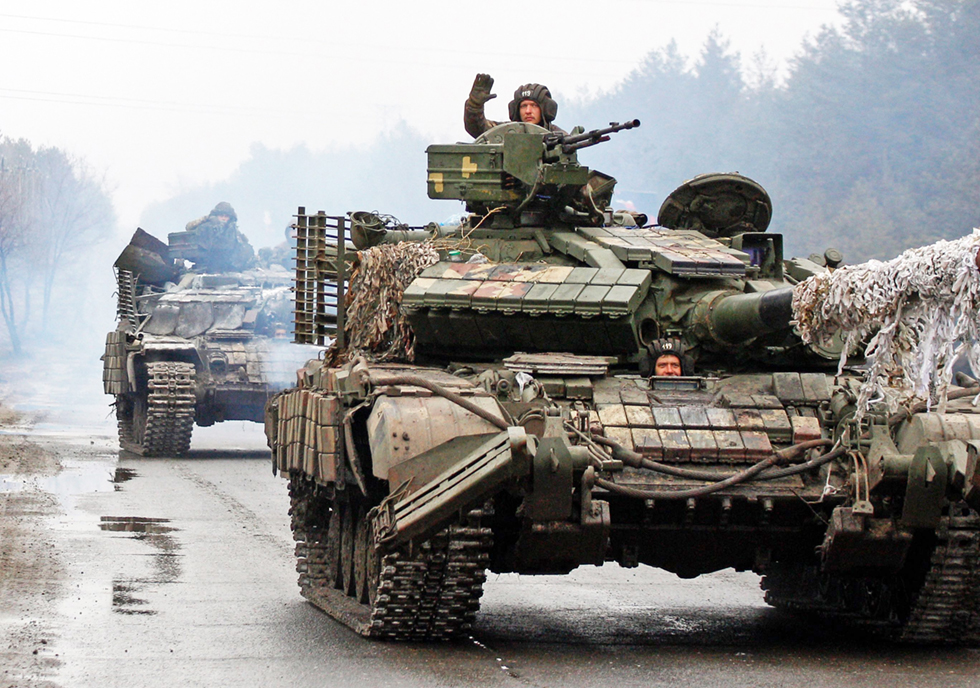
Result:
<point x="74" y="478"/>
<point x="128" y="593"/>
<point x="136" y="524"/>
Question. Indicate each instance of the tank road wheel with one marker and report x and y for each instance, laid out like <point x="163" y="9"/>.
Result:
<point x="372" y="571"/>
<point x="332" y="550"/>
<point x="431" y="594"/>
<point x="163" y="414"/>
<point x="366" y="562"/>
<point x="347" y="526"/>
<point x="934" y="599"/>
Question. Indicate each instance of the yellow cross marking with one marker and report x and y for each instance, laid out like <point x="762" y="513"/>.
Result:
<point x="436" y="179"/>
<point x="468" y="167"/>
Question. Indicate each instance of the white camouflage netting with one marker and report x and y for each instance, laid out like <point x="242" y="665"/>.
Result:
<point x="921" y="307"/>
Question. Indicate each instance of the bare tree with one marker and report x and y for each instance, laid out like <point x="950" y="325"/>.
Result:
<point x="73" y="214"/>
<point x="52" y="210"/>
<point x="18" y="183"/>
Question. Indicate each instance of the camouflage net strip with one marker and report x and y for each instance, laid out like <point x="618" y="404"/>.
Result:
<point x="922" y="308"/>
<point x="377" y="327"/>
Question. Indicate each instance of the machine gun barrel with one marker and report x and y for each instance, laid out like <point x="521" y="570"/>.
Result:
<point x="573" y="142"/>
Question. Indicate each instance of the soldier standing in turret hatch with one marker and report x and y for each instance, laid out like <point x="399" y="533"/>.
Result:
<point x="532" y="103"/>
<point x="221" y="247"/>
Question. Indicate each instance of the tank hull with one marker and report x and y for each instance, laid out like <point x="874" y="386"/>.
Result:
<point x="371" y="440"/>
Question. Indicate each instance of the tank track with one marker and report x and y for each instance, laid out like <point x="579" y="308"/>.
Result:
<point x="432" y="593"/>
<point x="124" y="424"/>
<point x="947" y="608"/>
<point x="944" y="610"/>
<point x="169" y="421"/>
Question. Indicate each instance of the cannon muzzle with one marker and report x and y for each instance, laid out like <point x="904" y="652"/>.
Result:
<point x="735" y="318"/>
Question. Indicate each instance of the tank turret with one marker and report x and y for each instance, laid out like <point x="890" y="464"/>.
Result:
<point x="564" y="267"/>
<point x="491" y="407"/>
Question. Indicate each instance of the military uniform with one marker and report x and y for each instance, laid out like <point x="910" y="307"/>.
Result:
<point x="475" y="120"/>
<point x="221" y="247"/>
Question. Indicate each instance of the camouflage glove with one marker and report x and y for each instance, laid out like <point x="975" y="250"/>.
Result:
<point x="480" y="93"/>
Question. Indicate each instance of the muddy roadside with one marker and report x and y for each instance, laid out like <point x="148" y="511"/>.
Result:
<point x="57" y="431"/>
<point x="32" y="573"/>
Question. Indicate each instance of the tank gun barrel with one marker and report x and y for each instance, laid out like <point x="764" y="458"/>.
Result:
<point x="366" y="239"/>
<point x="572" y="142"/>
<point x="368" y="229"/>
<point x="735" y="318"/>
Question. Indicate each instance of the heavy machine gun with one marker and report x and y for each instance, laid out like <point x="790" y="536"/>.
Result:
<point x="524" y="174"/>
<point x="570" y="143"/>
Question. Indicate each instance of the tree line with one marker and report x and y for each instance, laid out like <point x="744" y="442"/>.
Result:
<point x="871" y="143"/>
<point x="53" y="210"/>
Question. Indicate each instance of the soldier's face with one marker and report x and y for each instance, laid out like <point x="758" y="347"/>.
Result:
<point x="530" y="112"/>
<point x="223" y="219"/>
<point x="668" y="365"/>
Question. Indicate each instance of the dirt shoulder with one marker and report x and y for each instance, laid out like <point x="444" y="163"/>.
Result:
<point x="31" y="571"/>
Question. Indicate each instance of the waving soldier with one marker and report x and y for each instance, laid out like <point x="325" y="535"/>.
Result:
<point x="532" y="103"/>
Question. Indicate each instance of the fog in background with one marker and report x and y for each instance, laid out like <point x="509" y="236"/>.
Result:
<point x="863" y="122"/>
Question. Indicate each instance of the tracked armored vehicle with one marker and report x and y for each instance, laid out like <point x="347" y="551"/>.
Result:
<point x="192" y="347"/>
<point x="489" y="406"/>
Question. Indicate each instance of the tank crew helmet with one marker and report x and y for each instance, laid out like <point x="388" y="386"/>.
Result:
<point x="540" y="95"/>
<point x="224" y="208"/>
<point x="670" y="347"/>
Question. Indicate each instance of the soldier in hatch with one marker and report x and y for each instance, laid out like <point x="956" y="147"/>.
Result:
<point x="532" y="103"/>
<point x="222" y="248"/>
<point x="666" y="358"/>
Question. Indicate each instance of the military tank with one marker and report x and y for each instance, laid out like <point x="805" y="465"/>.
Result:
<point x="488" y="405"/>
<point x="192" y="347"/>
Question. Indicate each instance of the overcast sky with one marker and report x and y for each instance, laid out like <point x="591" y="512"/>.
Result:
<point x="165" y="95"/>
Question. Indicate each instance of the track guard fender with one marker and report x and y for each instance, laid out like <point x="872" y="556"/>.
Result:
<point x="925" y="493"/>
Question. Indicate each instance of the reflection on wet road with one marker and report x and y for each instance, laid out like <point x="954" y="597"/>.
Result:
<point x="154" y="532"/>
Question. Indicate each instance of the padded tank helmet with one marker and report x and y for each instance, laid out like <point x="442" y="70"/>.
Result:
<point x="669" y="347"/>
<point x="660" y="347"/>
<point x="224" y="208"/>
<point x="540" y="95"/>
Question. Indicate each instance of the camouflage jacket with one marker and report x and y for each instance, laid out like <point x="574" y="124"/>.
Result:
<point x="220" y="247"/>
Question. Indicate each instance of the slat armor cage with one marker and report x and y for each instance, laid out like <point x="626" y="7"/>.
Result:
<point x="321" y="274"/>
<point x="126" y="310"/>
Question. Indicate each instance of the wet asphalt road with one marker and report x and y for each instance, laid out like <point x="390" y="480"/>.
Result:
<point x="180" y="573"/>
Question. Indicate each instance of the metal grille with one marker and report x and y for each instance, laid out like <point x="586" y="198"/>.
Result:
<point x="126" y="293"/>
<point x="321" y="274"/>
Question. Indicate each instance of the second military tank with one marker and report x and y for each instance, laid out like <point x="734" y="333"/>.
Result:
<point x="193" y="347"/>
